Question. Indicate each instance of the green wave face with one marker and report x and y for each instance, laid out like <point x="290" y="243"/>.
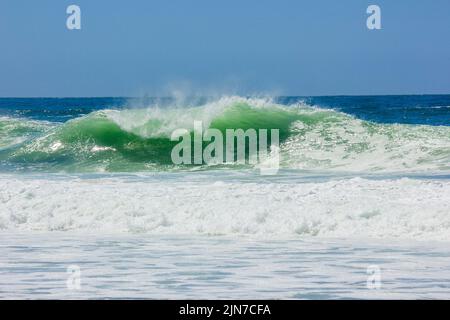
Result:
<point x="92" y="144"/>
<point x="139" y="139"/>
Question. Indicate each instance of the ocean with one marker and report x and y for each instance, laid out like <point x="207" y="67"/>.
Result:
<point x="358" y="208"/>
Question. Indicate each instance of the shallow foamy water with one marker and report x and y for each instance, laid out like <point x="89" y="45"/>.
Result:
<point x="221" y="203"/>
<point x="163" y="267"/>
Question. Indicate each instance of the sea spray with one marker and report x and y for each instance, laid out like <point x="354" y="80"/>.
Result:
<point x="131" y="140"/>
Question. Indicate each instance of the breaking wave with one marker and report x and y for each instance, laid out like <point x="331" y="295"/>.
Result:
<point x="128" y="140"/>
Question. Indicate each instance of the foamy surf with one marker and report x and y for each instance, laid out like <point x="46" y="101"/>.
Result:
<point x="346" y="208"/>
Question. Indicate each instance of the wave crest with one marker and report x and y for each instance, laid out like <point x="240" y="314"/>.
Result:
<point x="311" y="138"/>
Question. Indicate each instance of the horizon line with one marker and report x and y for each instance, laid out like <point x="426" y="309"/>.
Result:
<point x="206" y="96"/>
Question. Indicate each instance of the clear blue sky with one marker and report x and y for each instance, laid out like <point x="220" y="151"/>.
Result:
<point x="128" y="48"/>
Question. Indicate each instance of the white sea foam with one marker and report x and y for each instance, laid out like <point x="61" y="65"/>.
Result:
<point x="395" y="208"/>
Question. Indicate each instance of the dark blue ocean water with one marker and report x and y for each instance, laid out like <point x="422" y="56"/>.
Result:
<point x="409" y="109"/>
